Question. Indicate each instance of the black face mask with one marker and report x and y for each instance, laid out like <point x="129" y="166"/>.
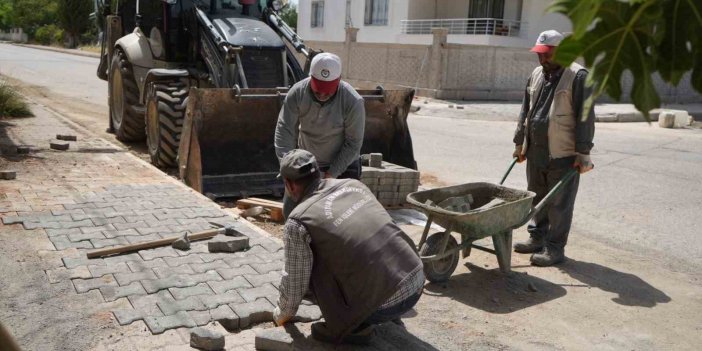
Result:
<point x="551" y="67"/>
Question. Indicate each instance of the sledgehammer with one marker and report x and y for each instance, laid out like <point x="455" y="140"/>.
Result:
<point x="206" y="234"/>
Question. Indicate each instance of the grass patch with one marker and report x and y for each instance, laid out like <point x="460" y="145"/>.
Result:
<point x="90" y="48"/>
<point x="12" y="104"/>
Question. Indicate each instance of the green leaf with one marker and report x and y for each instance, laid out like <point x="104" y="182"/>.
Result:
<point x="675" y="51"/>
<point x="580" y="12"/>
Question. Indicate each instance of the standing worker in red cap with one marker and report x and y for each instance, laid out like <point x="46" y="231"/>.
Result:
<point x="325" y="116"/>
<point x="554" y="136"/>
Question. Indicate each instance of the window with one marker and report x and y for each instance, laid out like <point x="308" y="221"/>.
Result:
<point x="349" y="23"/>
<point x="486" y="9"/>
<point x="317" y="16"/>
<point x="376" y="12"/>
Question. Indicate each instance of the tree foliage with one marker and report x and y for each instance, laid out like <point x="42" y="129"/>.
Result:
<point x="74" y="18"/>
<point x="32" y="14"/>
<point x="289" y="15"/>
<point x="641" y="36"/>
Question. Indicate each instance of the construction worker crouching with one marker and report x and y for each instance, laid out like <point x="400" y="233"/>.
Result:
<point x="341" y="244"/>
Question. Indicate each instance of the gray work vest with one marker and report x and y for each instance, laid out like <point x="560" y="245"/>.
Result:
<point x="360" y="255"/>
<point x="561" y="117"/>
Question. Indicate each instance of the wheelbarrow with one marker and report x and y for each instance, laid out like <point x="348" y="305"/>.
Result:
<point x="439" y="252"/>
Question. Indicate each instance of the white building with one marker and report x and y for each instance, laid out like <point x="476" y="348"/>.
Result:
<point x="504" y="23"/>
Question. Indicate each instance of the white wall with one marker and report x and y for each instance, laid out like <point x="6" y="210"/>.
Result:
<point x="533" y="15"/>
<point x="421" y="9"/>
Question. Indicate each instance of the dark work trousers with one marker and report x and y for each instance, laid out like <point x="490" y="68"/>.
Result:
<point x="352" y="172"/>
<point x="393" y="312"/>
<point x="552" y="224"/>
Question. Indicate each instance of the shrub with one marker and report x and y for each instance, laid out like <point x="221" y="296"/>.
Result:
<point x="48" y="34"/>
<point x="11" y="104"/>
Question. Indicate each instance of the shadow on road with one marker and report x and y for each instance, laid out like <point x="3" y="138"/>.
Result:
<point x="632" y="290"/>
<point x="494" y="292"/>
<point x="389" y="336"/>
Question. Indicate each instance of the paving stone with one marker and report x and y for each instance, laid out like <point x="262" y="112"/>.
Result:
<point x="100" y="221"/>
<point x="148" y="304"/>
<point x="62" y="242"/>
<point x="125" y="317"/>
<point x="192" y="303"/>
<point x="200" y="289"/>
<point x="77" y="224"/>
<point x="210" y="257"/>
<point x="55" y="232"/>
<point x="230" y="273"/>
<point x="73" y="262"/>
<point x="181" y="260"/>
<point x="228" y="245"/>
<point x="205" y="339"/>
<point x="127" y="278"/>
<point x="99" y="271"/>
<point x="138" y="218"/>
<point x="222" y="314"/>
<point x="250" y="313"/>
<point x="261" y="279"/>
<point x="158" y="252"/>
<point x="140" y="266"/>
<point x="122" y="258"/>
<point x="142" y="238"/>
<point x="82" y="236"/>
<point x="100" y="243"/>
<point x="96" y="229"/>
<point x="273" y="339"/>
<point x="84" y="285"/>
<point x="179" y="281"/>
<point x="111" y="293"/>
<point x="239" y="261"/>
<point x="221" y="287"/>
<point x="204" y="267"/>
<point x="269" y="244"/>
<point x="134" y="225"/>
<point x="195" y="248"/>
<point x="164" y="272"/>
<point x="263" y="268"/>
<point x="158" y="325"/>
<point x="254" y="293"/>
<point x="230" y="297"/>
<point x="114" y="233"/>
<point x="307" y="313"/>
<point x="274" y="256"/>
<point x="63" y="274"/>
<point x="155" y="230"/>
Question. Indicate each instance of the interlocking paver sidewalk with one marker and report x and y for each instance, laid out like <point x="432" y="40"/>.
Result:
<point x="98" y="195"/>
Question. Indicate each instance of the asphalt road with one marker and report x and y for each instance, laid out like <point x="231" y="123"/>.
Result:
<point x="643" y="196"/>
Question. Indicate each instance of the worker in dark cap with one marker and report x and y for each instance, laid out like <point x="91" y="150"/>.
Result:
<point x="336" y="235"/>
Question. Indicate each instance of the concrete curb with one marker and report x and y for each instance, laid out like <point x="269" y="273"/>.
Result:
<point x="61" y="50"/>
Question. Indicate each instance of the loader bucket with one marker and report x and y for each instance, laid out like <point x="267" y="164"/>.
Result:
<point x="226" y="147"/>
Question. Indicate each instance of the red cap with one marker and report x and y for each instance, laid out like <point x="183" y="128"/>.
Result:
<point x="542" y="49"/>
<point x="324" y="87"/>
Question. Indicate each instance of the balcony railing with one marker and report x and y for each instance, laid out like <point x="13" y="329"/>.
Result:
<point x="474" y="26"/>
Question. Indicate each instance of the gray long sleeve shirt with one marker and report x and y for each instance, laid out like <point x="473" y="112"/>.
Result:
<point x="332" y="131"/>
<point x="538" y="124"/>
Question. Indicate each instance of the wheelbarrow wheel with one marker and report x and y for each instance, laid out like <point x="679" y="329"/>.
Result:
<point x="437" y="271"/>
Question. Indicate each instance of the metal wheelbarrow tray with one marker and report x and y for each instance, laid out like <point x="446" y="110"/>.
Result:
<point x="439" y="251"/>
<point x="472" y="225"/>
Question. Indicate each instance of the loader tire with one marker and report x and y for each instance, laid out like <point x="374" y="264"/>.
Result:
<point x="126" y="113"/>
<point x="165" y="110"/>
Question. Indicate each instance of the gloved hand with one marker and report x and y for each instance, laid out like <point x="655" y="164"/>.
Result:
<point x="518" y="154"/>
<point x="583" y="163"/>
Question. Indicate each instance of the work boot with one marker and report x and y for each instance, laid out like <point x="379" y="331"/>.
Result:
<point x="360" y="336"/>
<point x="532" y="245"/>
<point x="548" y="257"/>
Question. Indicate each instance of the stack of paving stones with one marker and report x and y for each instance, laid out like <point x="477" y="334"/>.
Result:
<point x="390" y="183"/>
<point x="97" y="195"/>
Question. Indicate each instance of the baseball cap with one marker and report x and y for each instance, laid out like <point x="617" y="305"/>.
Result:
<point x="297" y="164"/>
<point x="546" y="41"/>
<point x="325" y="71"/>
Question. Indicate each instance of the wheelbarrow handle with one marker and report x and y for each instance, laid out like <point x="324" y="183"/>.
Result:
<point x="555" y="190"/>
<point x="511" y="165"/>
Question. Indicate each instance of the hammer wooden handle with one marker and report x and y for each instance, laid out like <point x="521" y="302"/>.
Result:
<point x="151" y="244"/>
